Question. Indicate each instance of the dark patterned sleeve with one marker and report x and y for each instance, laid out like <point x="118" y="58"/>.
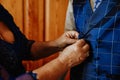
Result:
<point x="25" y="77"/>
<point x="26" y="50"/>
<point x="22" y="45"/>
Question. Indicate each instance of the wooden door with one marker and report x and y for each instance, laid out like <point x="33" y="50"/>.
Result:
<point x="34" y="26"/>
<point x="15" y="7"/>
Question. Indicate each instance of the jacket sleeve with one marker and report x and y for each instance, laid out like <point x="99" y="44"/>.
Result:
<point x="25" y="77"/>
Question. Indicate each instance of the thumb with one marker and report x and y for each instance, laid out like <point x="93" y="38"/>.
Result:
<point x="71" y="41"/>
<point x="80" y="43"/>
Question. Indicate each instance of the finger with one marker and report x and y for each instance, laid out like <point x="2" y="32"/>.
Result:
<point x="72" y="34"/>
<point x="86" y="47"/>
<point x="71" y="41"/>
<point x="81" y="42"/>
<point x="83" y="56"/>
<point x="87" y="54"/>
<point x="76" y="34"/>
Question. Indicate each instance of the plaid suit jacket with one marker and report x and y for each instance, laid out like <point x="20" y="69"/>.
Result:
<point x="102" y="31"/>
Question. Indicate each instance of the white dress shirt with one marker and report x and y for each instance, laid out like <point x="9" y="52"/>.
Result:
<point x="70" y="23"/>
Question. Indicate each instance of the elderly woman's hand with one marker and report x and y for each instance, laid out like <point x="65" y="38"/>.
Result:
<point x="67" y="38"/>
<point x="75" y="54"/>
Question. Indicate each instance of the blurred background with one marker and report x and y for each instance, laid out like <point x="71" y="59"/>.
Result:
<point x="40" y="20"/>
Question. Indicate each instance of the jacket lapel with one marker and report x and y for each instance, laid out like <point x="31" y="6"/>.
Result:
<point x="100" y="13"/>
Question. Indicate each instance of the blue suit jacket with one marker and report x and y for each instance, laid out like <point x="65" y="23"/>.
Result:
<point x="102" y="31"/>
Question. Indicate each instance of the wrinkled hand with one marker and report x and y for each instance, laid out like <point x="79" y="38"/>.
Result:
<point x="75" y="53"/>
<point x="67" y="38"/>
